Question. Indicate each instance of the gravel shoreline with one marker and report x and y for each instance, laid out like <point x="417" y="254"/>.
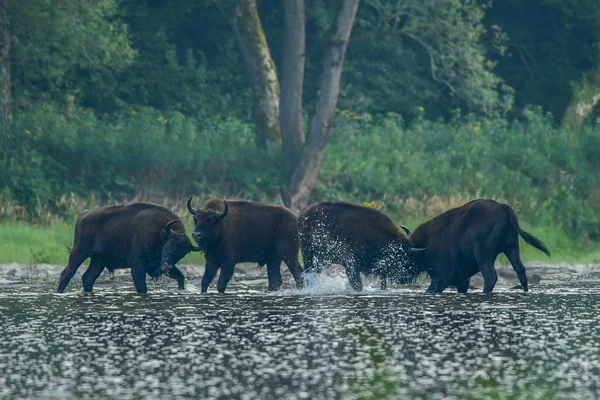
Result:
<point x="14" y="272"/>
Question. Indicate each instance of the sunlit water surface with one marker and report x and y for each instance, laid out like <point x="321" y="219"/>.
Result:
<point x="319" y="343"/>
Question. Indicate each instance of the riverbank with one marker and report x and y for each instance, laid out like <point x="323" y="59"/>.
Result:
<point x="29" y="244"/>
<point x="539" y="273"/>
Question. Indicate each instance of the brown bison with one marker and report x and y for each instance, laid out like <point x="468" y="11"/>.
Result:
<point x="147" y="238"/>
<point x="466" y="240"/>
<point x="230" y="232"/>
<point x="361" y="239"/>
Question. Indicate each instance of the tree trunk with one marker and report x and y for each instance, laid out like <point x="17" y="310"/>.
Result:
<point x="586" y="95"/>
<point x="308" y="167"/>
<point x="292" y="76"/>
<point x="5" y="92"/>
<point x="252" y="42"/>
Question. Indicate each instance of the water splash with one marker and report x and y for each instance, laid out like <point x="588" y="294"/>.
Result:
<point x="332" y="281"/>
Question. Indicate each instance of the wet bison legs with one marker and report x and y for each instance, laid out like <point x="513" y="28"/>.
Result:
<point x="289" y="255"/>
<point x="383" y="282"/>
<point x="225" y="276"/>
<point x="485" y="261"/>
<point x="463" y="287"/>
<point x="274" y="274"/>
<point x="76" y="258"/>
<point x="138" y="274"/>
<point x="515" y="259"/>
<point x="353" y="275"/>
<point x="210" y="271"/>
<point x="92" y="273"/>
<point x="437" y="286"/>
<point x="175" y="273"/>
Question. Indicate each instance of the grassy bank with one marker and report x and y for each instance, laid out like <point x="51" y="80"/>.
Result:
<point x="29" y="244"/>
<point x="53" y="168"/>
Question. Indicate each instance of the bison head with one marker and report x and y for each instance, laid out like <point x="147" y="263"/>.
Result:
<point x="206" y="222"/>
<point x="176" y="247"/>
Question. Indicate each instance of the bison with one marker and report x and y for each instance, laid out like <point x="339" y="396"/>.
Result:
<point x="230" y="232"/>
<point x="145" y="237"/>
<point x="466" y="240"/>
<point x="361" y="239"/>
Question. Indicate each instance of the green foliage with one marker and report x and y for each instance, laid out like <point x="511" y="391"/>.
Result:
<point x="550" y="46"/>
<point x="63" y="46"/>
<point x="528" y="164"/>
<point x="44" y="155"/>
<point x="412" y="170"/>
<point x="423" y="51"/>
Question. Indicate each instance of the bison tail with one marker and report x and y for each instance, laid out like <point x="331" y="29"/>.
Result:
<point x="528" y="237"/>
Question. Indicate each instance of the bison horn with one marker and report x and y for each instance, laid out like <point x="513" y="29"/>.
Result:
<point x="168" y="227"/>
<point x="408" y="232"/>
<point x="417" y="249"/>
<point x="225" y="210"/>
<point x="191" y="209"/>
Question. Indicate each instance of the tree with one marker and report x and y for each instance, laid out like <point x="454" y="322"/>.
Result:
<point x="585" y="91"/>
<point x="444" y="36"/>
<point x="292" y="78"/>
<point x="307" y="168"/>
<point x="261" y="70"/>
<point x="51" y="42"/>
<point x="253" y="45"/>
<point x="550" y="55"/>
<point x="437" y="46"/>
<point x="5" y="90"/>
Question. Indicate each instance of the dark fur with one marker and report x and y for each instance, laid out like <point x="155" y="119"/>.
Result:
<point x="466" y="240"/>
<point x="132" y="236"/>
<point x="361" y="239"/>
<point x="250" y="232"/>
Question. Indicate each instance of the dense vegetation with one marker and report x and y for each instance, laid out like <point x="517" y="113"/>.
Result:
<point x="440" y="103"/>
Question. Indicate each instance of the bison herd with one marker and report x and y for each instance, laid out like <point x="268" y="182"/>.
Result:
<point x="151" y="239"/>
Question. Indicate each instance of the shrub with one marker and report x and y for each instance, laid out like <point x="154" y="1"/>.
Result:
<point x="419" y="169"/>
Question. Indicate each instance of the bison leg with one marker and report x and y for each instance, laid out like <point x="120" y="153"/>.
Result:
<point x="290" y="258"/>
<point x="176" y="274"/>
<point x="383" y="281"/>
<point x="138" y="273"/>
<point x="463" y="286"/>
<point x="76" y="258"/>
<point x="354" y="276"/>
<point x="437" y="286"/>
<point x="486" y="266"/>
<point x="515" y="259"/>
<point x="294" y="266"/>
<point x="274" y="274"/>
<point x="92" y="273"/>
<point x="210" y="271"/>
<point x="225" y="276"/>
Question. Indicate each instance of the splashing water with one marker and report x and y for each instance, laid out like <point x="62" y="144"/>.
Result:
<point x="321" y="342"/>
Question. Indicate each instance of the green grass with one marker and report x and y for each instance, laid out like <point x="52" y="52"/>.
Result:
<point x="31" y="244"/>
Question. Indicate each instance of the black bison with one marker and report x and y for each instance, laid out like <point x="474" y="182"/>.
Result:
<point x="147" y="238"/>
<point x="361" y="239"/>
<point x="466" y="240"/>
<point x="230" y="232"/>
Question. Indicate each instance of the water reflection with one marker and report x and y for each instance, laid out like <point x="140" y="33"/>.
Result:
<point x="296" y="344"/>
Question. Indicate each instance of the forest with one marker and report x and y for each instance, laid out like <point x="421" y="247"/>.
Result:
<point x="409" y="106"/>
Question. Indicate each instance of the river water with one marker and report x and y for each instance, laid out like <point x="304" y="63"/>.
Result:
<point x="324" y="342"/>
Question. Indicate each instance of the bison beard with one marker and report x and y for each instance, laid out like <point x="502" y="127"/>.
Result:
<point x="230" y="232"/>
<point x="147" y="238"/>
<point x="361" y="239"/>
<point x="466" y="240"/>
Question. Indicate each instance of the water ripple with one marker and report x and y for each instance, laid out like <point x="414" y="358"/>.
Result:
<point x="321" y="342"/>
